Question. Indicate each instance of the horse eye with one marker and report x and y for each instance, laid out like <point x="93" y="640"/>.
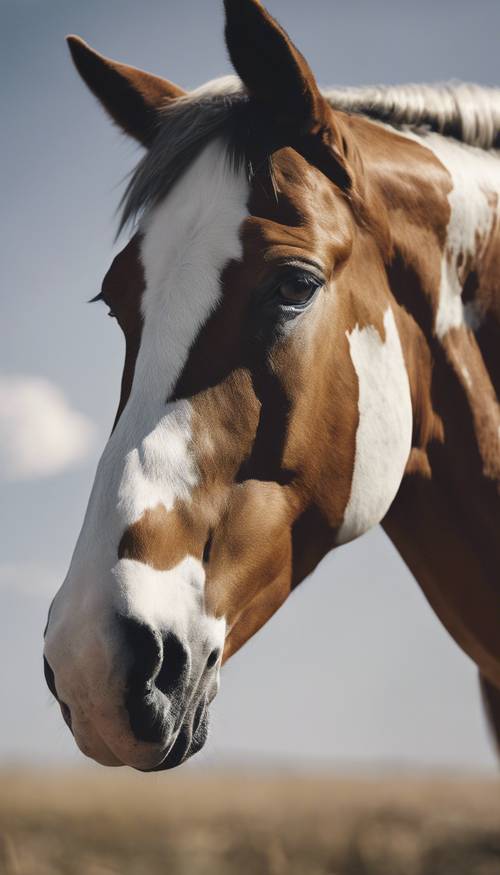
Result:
<point x="296" y="292"/>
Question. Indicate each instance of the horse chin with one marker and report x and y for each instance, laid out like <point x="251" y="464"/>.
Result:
<point x="189" y="741"/>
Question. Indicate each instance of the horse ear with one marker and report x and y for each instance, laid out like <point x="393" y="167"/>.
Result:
<point x="271" y="67"/>
<point x="278" y="76"/>
<point x="132" y="97"/>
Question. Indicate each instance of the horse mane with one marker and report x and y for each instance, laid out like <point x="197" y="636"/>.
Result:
<point x="468" y="113"/>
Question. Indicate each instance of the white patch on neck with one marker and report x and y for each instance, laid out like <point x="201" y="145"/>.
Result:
<point x="383" y="438"/>
<point x="475" y="176"/>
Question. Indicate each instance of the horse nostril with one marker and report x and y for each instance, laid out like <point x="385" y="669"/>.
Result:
<point x="145" y="648"/>
<point x="163" y="661"/>
<point x="174" y="665"/>
<point x="213" y="658"/>
<point x="159" y="671"/>
<point x="49" y="677"/>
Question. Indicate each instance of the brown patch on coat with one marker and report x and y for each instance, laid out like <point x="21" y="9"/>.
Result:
<point x="162" y="538"/>
<point x="465" y="358"/>
<point x="486" y="300"/>
<point x="122" y="290"/>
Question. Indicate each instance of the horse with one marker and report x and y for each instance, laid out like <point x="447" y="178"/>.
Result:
<point x="310" y="303"/>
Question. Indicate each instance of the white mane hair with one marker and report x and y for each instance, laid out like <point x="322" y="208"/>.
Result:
<point x="468" y="113"/>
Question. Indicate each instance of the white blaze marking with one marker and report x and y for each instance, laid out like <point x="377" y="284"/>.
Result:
<point x="383" y="438"/>
<point x="188" y="240"/>
<point x="161" y="469"/>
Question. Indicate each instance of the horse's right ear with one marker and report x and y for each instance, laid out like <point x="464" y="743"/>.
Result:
<point x="271" y="67"/>
<point x="132" y="97"/>
<point x="279" y="78"/>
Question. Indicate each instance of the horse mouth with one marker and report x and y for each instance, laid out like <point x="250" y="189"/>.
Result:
<point x="190" y="740"/>
<point x="149" y="727"/>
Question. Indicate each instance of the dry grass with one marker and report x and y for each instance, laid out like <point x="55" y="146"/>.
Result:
<point x="117" y="823"/>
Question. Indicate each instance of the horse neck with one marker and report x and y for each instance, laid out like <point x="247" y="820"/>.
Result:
<point x="440" y="200"/>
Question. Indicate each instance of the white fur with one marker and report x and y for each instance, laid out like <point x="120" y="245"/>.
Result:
<point x="149" y="460"/>
<point x="383" y="438"/>
<point x="141" y="591"/>
<point x="475" y="174"/>
<point x="475" y="177"/>
<point x="187" y="242"/>
<point x="161" y="469"/>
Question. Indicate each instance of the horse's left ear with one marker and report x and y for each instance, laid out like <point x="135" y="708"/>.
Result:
<point x="278" y="76"/>
<point x="133" y="98"/>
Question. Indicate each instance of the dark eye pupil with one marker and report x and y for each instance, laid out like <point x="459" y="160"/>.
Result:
<point x="296" y="291"/>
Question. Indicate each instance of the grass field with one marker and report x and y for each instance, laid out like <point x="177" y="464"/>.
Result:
<point x="105" y="822"/>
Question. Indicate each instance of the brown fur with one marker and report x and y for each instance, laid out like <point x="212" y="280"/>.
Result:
<point x="132" y="97"/>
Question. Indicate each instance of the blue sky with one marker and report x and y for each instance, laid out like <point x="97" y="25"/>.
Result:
<point x="355" y="668"/>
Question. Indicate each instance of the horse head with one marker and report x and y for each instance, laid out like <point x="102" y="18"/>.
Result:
<point x="265" y="413"/>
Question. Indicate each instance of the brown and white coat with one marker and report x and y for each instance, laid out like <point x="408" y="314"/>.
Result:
<point x="311" y="312"/>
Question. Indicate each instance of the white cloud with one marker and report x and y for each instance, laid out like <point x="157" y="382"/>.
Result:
<point x="40" y="434"/>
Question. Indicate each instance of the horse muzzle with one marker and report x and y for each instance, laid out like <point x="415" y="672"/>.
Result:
<point x="152" y="717"/>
